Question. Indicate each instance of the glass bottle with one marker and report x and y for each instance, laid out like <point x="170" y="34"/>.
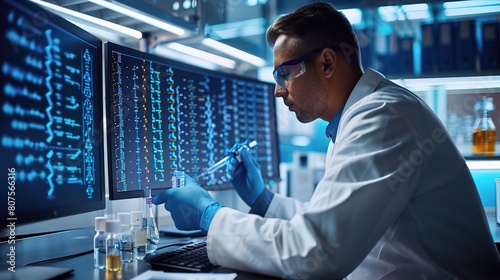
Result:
<point x="100" y="243"/>
<point x="126" y="238"/>
<point x="178" y="179"/>
<point x="149" y="224"/>
<point x="139" y="235"/>
<point x="484" y="132"/>
<point x="113" y="262"/>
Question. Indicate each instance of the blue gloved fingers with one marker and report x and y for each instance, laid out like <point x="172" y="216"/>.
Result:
<point x="247" y="179"/>
<point x="188" y="180"/>
<point x="238" y="172"/>
<point x="231" y="167"/>
<point x="236" y="146"/>
<point x="185" y="216"/>
<point x="187" y="205"/>
<point x="160" y="198"/>
<point x="248" y="160"/>
<point x="234" y="164"/>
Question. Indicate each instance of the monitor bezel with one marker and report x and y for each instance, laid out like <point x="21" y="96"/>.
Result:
<point x="109" y="47"/>
<point x="25" y="216"/>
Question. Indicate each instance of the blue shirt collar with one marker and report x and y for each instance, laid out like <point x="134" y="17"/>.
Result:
<point x="333" y="126"/>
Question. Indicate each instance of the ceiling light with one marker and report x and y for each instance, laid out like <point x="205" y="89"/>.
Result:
<point x="102" y="33"/>
<point x="139" y="16"/>
<point x="453" y="83"/>
<point x="162" y="50"/>
<point x="109" y="25"/>
<point x="467" y="8"/>
<point x="404" y="12"/>
<point x="238" y="29"/>
<point x="252" y="59"/>
<point x="222" y="61"/>
<point x="186" y="5"/>
<point x="353" y="15"/>
<point x="468" y="4"/>
<point x="239" y="32"/>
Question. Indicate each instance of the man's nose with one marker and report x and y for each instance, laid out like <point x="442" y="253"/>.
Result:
<point x="279" y="91"/>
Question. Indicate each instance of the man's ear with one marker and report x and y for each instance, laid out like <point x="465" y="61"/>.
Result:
<point x="329" y="62"/>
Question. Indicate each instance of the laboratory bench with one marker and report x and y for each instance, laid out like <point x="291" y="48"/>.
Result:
<point x="73" y="249"/>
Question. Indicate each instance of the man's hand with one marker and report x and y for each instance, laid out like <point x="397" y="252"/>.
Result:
<point x="191" y="206"/>
<point x="246" y="176"/>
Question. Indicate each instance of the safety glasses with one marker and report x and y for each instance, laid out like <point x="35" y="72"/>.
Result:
<point x="292" y="69"/>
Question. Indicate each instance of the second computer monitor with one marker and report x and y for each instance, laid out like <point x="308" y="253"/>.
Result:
<point x="165" y="116"/>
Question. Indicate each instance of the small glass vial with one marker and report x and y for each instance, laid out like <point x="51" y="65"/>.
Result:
<point x="484" y="132"/>
<point x="178" y="179"/>
<point x="138" y="234"/>
<point x="126" y="238"/>
<point x="149" y="224"/>
<point x="100" y="243"/>
<point x="113" y="229"/>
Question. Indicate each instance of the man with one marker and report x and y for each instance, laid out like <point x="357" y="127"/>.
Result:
<point x="397" y="200"/>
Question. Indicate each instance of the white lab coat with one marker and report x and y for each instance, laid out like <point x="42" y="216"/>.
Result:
<point x="397" y="201"/>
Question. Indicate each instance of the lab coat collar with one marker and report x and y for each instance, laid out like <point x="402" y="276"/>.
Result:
<point x="366" y="84"/>
<point x="333" y="126"/>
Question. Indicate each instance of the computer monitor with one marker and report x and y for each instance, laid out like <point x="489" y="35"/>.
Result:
<point x="51" y="110"/>
<point x="169" y="116"/>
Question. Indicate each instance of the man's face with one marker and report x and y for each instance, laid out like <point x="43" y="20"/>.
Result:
<point x="303" y="92"/>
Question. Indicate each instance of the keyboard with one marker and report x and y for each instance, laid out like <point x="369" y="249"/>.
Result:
<point x="191" y="257"/>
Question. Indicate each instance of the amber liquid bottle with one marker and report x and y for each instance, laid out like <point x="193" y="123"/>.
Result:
<point x="483" y="142"/>
<point x="484" y="132"/>
<point x="113" y="261"/>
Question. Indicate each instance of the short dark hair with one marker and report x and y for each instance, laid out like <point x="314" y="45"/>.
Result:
<point x="317" y="25"/>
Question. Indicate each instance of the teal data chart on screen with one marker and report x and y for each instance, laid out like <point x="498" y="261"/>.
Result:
<point x="51" y="110"/>
<point x="170" y="116"/>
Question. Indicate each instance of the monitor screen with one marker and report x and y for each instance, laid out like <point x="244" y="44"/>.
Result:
<point x="169" y="116"/>
<point x="51" y="111"/>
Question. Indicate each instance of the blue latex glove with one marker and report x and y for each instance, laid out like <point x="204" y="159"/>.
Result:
<point x="246" y="176"/>
<point x="191" y="206"/>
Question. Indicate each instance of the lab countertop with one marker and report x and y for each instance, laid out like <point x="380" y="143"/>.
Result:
<point x="73" y="249"/>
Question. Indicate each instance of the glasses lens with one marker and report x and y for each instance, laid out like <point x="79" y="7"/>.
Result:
<point x="280" y="75"/>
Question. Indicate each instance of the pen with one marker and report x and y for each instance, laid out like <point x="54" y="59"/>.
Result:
<point x="223" y="162"/>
